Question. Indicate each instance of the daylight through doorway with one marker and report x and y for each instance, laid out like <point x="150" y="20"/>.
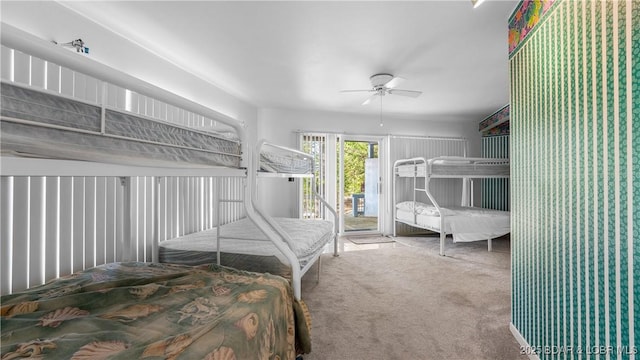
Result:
<point x="360" y="191"/>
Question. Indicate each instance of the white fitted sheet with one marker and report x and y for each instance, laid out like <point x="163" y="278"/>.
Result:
<point x="464" y="223"/>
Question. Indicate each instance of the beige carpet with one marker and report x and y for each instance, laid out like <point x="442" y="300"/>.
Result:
<point x="408" y="302"/>
<point x="369" y="239"/>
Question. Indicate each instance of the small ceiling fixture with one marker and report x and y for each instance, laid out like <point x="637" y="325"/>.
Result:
<point x="476" y="3"/>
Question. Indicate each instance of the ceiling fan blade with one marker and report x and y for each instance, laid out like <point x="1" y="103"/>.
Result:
<point x="410" y="93"/>
<point x="394" y="82"/>
<point x="348" y="91"/>
<point x="370" y="99"/>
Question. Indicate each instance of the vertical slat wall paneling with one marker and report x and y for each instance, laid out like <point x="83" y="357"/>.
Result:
<point x="20" y="240"/>
<point x="138" y="225"/>
<point x="6" y="232"/>
<point x="121" y="246"/>
<point x="79" y="86"/>
<point x="112" y="94"/>
<point x="66" y="225"/>
<point x="197" y="201"/>
<point x="6" y="63"/>
<point x="156" y="218"/>
<point x="172" y="201"/>
<point x="38" y="72"/>
<point x="21" y="67"/>
<point x="92" y="91"/>
<point x="90" y="222"/>
<point x="66" y="82"/>
<point x="149" y="108"/>
<point x="210" y="204"/>
<point x="163" y="226"/>
<point x="112" y="185"/>
<point x="202" y="200"/>
<point x="180" y="203"/>
<point x="150" y="210"/>
<point x="137" y="218"/>
<point x="78" y="224"/>
<point x="36" y="216"/>
<point x="495" y="192"/>
<point x="192" y="202"/>
<point x="53" y="77"/>
<point x="101" y="220"/>
<point x="575" y="145"/>
<point x="133" y="101"/>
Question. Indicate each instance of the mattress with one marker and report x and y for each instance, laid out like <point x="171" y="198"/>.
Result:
<point x="464" y="223"/>
<point x="456" y="167"/>
<point x="244" y="246"/>
<point x="159" y="311"/>
<point x="47" y="125"/>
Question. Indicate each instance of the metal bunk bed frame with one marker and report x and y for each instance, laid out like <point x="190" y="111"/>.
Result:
<point x="21" y="41"/>
<point x="426" y="169"/>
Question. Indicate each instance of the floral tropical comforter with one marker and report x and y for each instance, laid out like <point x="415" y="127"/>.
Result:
<point x="156" y="311"/>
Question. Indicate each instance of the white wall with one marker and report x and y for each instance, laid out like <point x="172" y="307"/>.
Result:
<point x="278" y="197"/>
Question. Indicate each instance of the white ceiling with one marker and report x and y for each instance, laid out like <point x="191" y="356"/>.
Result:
<point x="300" y="54"/>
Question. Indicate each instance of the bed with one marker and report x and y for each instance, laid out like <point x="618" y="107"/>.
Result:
<point x="103" y="130"/>
<point x="135" y="310"/>
<point x="97" y="168"/>
<point x="246" y="245"/>
<point x="465" y="222"/>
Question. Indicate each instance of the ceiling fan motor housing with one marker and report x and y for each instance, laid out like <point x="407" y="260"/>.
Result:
<point x="379" y="80"/>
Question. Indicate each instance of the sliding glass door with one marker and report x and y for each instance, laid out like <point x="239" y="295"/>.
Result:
<point x="359" y="162"/>
<point x="347" y="169"/>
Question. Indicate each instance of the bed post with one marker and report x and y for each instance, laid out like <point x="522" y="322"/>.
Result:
<point x="259" y="219"/>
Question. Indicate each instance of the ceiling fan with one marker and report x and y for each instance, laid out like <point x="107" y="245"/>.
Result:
<point x="383" y="84"/>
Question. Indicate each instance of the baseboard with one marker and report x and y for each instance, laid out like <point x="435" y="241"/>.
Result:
<point x="525" y="348"/>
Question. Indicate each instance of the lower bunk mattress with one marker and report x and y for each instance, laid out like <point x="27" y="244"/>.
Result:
<point x="244" y="246"/>
<point x="160" y="311"/>
<point x="464" y="223"/>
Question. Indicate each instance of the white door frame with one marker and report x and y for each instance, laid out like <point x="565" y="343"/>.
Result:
<point x="381" y="177"/>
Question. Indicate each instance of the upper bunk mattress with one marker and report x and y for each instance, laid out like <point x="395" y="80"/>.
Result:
<point x="456" y="167"/>
<point x="41" y="124"/>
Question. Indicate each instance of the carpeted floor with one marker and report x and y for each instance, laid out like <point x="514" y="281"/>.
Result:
<point x="407" y="302"/>
<point x="369" y="239"/>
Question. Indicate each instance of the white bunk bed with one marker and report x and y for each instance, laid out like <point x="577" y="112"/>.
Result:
<point x="465" y="222"/>
<point x="242" y="244"/>
<point x="83" y="138"/>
